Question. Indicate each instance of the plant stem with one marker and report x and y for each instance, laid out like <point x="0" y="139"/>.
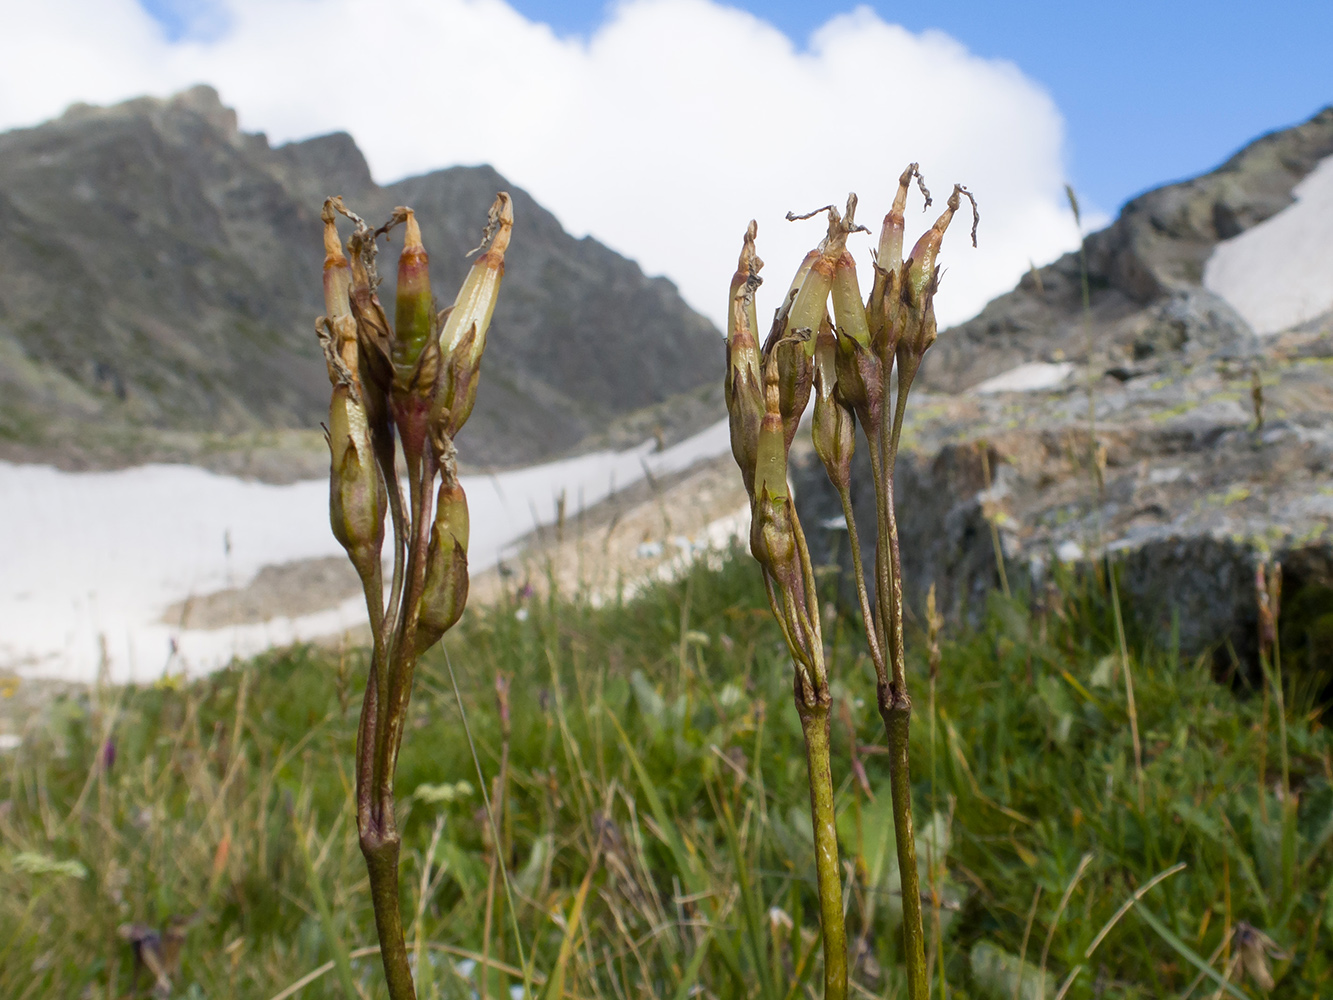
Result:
<point x="872" y="639"/>
<point x="815" y="726"/>
<point x="897" y="714"/>
<point x="381" y="854"/>
<point x="895" y="708"/>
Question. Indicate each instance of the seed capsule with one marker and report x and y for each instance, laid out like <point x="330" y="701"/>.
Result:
<point x="743" y="386"/>
<point x="882" y="310"/>
<point x="922" y="279"/>
<point x="463" y="333"/>
<point x="356" y="494"/>
<point x="414" y="313"/>
<point x="445" y="593"/>
<point x="772" y="535"/>
<point x="770" y="471"/>
<point x="849" y="311"/>
<point x="834" y="429"/>
<point x="475" y="302"/>
<point x="811" y="303"/>
<point x="338" y="292"/>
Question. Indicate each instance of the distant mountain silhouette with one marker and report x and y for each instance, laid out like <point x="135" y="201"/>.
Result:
<point x="160" y="278"/>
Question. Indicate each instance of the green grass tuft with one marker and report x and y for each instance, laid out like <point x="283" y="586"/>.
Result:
<point x="655" y="819"/>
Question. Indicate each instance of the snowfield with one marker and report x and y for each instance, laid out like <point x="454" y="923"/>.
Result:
<point x="93" y="558"/>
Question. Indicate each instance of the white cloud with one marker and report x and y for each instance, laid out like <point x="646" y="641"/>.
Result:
<point x="661" y="134"/>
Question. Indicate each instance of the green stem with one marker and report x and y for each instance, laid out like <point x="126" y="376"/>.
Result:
<point x="876" y="655"/>
<point x="815" y="726"/>
<point x="380" y="849"/>
<point x="895" y="708"/>
<point x="387" y="696"/>
<point x="897" y="715"/>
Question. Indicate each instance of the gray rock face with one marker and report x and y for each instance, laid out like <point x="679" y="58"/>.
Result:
<point x="161" y="275"/>
<point x="1155" y="249"/>
<point x="1158" y="450"/>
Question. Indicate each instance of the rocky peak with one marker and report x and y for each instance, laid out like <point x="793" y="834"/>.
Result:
<point x="162" y="278"/>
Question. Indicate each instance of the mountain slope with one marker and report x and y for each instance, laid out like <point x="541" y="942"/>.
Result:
<point x="161" y="280"/>
<point x="1145" y="272"/>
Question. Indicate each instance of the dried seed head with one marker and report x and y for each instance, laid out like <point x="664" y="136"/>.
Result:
<point x="475" y="302"/>
<point x="743" y="385"/>
<point x="337" y="295"/>
<point x="372" y="325"/>
<point x="742" y="346"/>
<point x="445" y="593"/>
<point x="464" y="326"/>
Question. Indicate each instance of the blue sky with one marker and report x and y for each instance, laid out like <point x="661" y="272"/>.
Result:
<point x="589" y="107"/>
<point x="1151" y="92"/>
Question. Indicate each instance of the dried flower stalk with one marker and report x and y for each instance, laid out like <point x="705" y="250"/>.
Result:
<point x="846" y="359"/>
<point x="408" y="385"/>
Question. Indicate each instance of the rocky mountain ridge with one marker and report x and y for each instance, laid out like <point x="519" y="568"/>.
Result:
<point x="162" y="279"/>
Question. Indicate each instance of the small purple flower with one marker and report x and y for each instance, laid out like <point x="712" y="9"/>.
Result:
<point x="108" y="754"/>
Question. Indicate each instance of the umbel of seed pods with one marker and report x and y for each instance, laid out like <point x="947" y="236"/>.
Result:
<point x="845" y="356"/>
<point x="410" y="384"/>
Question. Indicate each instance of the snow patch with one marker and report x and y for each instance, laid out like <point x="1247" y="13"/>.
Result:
<point x="1279" y="273"/>
<point x="1030" y="377"/>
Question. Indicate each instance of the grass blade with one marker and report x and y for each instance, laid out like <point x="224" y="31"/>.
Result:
<point x="342" y="961"/>
<point x="1188" y="953"/>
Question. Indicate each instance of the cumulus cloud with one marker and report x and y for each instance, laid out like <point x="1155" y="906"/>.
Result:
<point x="661" y="134"/>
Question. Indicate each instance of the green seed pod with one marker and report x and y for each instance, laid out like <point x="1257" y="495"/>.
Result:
<point x="780" y="318"/>
<point x="860" y="384"/>
<point x="807" y="311"/>
<point x="796" y="373"/>
<point x="772" y="535"/>
<point x="849" y="312"/>
<point x="445" y="593"/>
<point x="414" y="314"/>
<point x="834" y="429"/>
<point x="357" y="498"/>
<point x="773" y="538"/>
<point x="891" y="235"/>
